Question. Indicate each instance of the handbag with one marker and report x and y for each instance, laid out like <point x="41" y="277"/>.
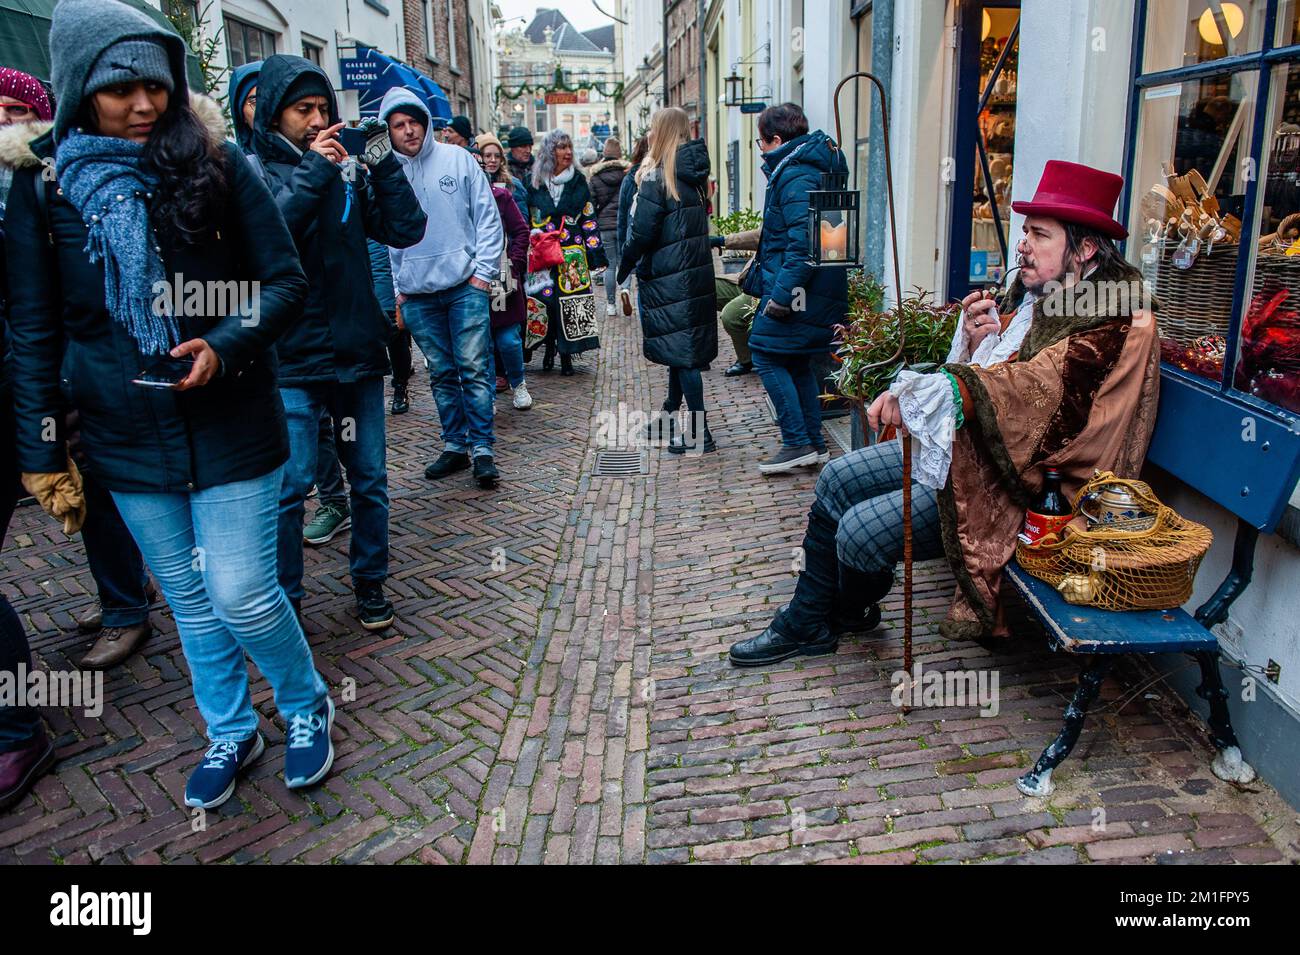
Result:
<point x="544" y="251"/>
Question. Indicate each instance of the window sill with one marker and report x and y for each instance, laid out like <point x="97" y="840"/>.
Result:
<point x="455" y="71"/>
<point x="375" y="4"/>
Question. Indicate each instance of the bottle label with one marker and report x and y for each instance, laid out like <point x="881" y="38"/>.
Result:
<point x="1043" y="528"/>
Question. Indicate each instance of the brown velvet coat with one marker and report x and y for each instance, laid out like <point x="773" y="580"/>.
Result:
<point x="1080" y="395"/>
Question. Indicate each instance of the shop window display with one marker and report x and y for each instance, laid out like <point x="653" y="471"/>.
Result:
<point x="1268" y="363"/>
<point x="1193" y="160"/>
<point x="1214" y="214"/>
<point x="991" y="208"/>
<point x="1186" y="32"/>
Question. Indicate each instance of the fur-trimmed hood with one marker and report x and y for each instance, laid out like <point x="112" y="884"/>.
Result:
<point x="16" y="143"/>
<point x="607" y="164"/>
<point x="17" y="139"/>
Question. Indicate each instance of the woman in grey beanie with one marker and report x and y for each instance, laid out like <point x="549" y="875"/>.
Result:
<point x="119" y="280"/>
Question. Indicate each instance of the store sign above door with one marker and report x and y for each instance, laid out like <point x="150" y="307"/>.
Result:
<point x="753" y="107"/>
<point x="359" y="73"/>
<point x="562" y="99"/>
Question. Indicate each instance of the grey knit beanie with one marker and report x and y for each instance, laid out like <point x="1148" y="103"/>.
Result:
<point x="129" y="61"/>
<point x="82" y="34"/>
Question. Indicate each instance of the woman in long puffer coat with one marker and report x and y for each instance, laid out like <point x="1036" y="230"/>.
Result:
<point x="669" y="248"/>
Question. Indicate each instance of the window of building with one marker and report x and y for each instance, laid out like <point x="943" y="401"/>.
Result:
<point x="1213" y="208"/>
<point x="451" y="35"/>
<point x="430" y="48"/>
<point x="186" y="8"/>
<point x="311" y="51"/>
<point x="246" y="43"/>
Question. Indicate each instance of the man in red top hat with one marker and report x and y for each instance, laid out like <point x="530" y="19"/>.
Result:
<point x="1073" y="387"/>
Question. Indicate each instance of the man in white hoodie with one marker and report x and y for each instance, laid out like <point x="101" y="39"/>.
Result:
<point x="442" y="283"/>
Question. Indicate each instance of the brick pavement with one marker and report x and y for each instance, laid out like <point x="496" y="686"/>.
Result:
<point x="555" y="690"/>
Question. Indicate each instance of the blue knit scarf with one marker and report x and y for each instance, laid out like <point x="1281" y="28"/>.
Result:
<point x="103" y="179"/>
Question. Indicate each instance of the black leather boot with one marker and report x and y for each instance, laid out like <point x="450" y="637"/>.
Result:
<point x="566" y="365"/>
<point x="548" y="357"/>
<point x="802" y="627"/>
<point x="856" y="608"/>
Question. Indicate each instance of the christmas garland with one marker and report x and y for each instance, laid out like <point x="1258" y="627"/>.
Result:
<point x="557" y="85"/>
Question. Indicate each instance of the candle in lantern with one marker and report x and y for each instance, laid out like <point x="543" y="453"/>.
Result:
<point x="834" y="240"/>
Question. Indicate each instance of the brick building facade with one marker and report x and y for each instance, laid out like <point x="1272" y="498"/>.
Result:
<point x="438" y="45"/>
<point x="684" y="57"/>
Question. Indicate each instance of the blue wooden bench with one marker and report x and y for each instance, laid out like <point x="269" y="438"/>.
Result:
<point x="1200" y="438"/>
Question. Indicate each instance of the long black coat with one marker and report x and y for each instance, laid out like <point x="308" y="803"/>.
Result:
<point x="344" y="332"/>
<point x="669" y="246"/>
<point x="144" y="439"/>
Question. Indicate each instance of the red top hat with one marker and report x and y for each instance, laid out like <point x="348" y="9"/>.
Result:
<point x="1076" y="193"/>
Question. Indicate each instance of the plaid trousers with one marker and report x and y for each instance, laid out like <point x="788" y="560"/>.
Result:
<point x="863" y="492"/>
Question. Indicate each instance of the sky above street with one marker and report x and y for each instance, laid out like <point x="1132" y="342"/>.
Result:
<point x="580" y="13"/>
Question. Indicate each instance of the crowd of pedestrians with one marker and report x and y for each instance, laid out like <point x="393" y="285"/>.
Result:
<point x="185" y="440"/>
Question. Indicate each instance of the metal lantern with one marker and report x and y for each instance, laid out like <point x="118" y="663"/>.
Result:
<point x="735" y="94"/>
<point x="833" y="230"/>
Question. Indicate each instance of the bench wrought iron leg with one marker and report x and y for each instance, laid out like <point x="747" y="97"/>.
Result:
<point x="1228" y="763"/>
<point x="1038" y="781"/>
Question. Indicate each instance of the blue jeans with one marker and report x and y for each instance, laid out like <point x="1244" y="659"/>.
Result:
<point x="793" y="387"/>
<point x="453" y="329"/>
<point x="510" y="343"/>
<point x="213" y="552"/>
<point x="357" y="409"/>
<point x="609" y="241"/>
<point x="113" y="558"/>
<point x="329" y="476"/>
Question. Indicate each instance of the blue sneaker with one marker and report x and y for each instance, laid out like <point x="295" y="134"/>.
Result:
<point x="309" y="753"/>
<point x="213" y="780"/>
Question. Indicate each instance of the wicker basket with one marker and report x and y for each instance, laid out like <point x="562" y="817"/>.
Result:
<point x="1151" y="567"/>
<point x="1197" y="301"/>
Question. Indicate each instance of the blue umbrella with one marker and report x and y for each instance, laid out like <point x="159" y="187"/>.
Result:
<point x="393" y="74"/>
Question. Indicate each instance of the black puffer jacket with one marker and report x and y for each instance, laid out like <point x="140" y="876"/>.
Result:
<point x="606" y="178"/>
<point x="669" y="246"/>
<point x="343" y="332"/>
<point x="68" y="350"/>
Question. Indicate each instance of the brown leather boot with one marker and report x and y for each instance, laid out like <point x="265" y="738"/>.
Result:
<point x="20" y="768"/>
<point x="93" y="619"/>
<point x="114" y="645"/>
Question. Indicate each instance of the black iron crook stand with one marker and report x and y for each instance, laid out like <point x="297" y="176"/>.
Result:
<point x="898" y="286"/>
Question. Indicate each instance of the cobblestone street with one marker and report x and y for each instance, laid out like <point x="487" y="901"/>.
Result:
<point x="556" y="689"/>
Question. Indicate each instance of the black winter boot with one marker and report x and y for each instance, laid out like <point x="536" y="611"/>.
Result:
<point x="856" y="608"/>
<point x="696" y="436"/>
<point x="802" y="627"/>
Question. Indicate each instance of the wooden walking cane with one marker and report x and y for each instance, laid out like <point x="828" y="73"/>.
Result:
<point x="905" y="438"/>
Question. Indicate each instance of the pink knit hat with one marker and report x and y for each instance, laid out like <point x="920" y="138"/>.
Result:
<point x="27" y="89"/>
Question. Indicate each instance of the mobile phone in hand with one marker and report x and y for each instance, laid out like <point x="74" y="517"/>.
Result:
<point x="353" y="140"/>
<point x="166" y="372"/>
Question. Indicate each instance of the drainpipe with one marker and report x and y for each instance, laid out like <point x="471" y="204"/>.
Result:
<point x="664" y="47"/>
<point x="875" y="188"/>
<point x="882" y="64"/>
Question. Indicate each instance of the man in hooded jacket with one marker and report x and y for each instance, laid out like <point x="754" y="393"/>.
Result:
<point x="242" y="98"/>
<point x="335" y="358"/>
<point x="442" y="283"/>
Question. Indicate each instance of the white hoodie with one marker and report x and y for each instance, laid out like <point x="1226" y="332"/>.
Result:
<point x="463" y="237"/>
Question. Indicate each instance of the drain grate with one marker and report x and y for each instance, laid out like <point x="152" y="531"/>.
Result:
<point x="621" y="463"/>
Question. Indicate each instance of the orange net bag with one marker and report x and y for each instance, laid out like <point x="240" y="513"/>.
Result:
<point x="1144" y="563"/>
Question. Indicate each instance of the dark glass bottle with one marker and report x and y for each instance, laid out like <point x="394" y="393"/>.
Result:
<point x="1048" y="515"/>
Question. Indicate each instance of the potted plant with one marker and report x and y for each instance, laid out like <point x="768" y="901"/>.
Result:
<point x="872" y="333"/>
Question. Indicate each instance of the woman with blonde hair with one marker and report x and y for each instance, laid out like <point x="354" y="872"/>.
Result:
<point x="669" y="247"/>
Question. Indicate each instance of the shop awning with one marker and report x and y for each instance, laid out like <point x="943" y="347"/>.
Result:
<point x="25" y="37"/>
<point x="372" y="74"/>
